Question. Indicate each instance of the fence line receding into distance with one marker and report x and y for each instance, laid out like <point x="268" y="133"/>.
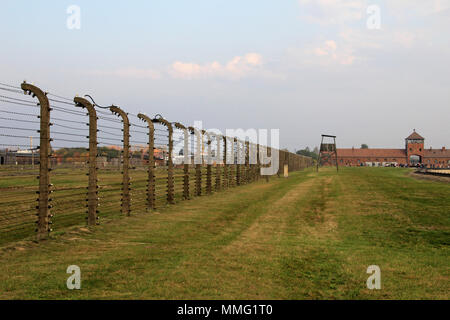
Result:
<point x="64" y="161"/>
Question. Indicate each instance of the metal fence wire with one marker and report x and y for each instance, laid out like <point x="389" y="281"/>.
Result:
<point x="68" y="162"/>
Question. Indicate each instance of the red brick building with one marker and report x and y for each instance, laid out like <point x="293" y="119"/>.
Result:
<point x="414" y="154"/>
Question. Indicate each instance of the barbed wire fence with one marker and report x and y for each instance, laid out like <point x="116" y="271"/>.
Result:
<point x="65" y="161"/>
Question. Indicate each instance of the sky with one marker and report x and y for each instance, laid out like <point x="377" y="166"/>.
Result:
<point x="367" y="71"/>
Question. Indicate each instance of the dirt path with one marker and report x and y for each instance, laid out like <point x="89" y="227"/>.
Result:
<point x="249" y="266"/>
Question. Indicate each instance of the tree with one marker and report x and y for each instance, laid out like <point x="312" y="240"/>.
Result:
<point x="364" y="146"/>
<point x="308" y="153"/>
<point x="316" y="150"/>
<point x="109" y="153"/>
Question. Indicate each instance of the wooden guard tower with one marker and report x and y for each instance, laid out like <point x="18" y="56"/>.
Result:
<point x="327" y="151"/>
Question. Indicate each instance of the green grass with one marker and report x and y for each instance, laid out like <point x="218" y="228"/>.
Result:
<point x="18" y="186"/>
<point x="311" y="236"/>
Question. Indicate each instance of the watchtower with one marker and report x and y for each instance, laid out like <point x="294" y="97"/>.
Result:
<point x="327" y="152"/>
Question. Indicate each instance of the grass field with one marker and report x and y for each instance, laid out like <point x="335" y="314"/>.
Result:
<point x="18" y="196"/>
<point x="311" y="236"/>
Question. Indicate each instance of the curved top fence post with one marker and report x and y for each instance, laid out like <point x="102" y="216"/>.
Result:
<point x="198" y="150"/>
<point x="186" y="151"/>
<point x="170" y="179"/>
<point x="208" y="162"/>
<point x="225" y="164"/>
<point x="126" y="199"/>
<point x="218" y="154"/>
<point x="197" y="160"/>
<point x="208" y="150"/>
<point x="44" y="215"/>
<point x="151" y="161"/>
<point x="92" y="194"/>
<point x="186" y="156"/>
<point x="218" y="160"/>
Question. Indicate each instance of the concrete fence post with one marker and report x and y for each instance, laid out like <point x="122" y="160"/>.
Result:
<point x="44" y="216"/>
<point x="246" y="165"/>
<point x="197" y="160"/>
<point x="186" y="154"/>
<point x="126" y="197"/>
<point x="92" y="194"/>
<point x="208" y="163"/>
<point x="151" y="201"/>
<point x="230" y="161"/>
<point x="238" y="161"/>
<point x="250" y="165"/>
<point x="170" y="179"/>
<point x="269" y="154"/>
<point x="281" y="164"/>
<point x="225" y="164"/>
<point x="254" y="162"/>
<point x="218" y="164"/>
<point x="258" y="163"/>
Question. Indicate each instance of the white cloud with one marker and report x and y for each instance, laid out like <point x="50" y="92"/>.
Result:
<point x="238" y="67"/>
<point x="333" y="11"/>
<point x="415" y="8"/>
<point x="326" y="53"/>
<point x="405" y="38"/>
<point x="405" y="25"/>
<point x="130" y="72"/>
<point x="249" y="65"/>
<point x="341" y="12"/>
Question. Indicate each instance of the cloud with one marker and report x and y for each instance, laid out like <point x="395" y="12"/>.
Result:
<point x="405" y="38"/>
<point x="328" y="12"/>
<point x="236" y="68"/>
<point x="326" y="53"/>
<point x="248" y="65"/>
<point x="130" y="72"/>
<point x="405" y="25"/>
<point x="415" y="8"/>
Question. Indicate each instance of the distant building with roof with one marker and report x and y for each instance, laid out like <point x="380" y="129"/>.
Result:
<point x="414" y="154"/>
<point x="18" y="157"/>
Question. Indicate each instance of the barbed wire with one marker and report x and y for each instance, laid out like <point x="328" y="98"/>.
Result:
<point x="33" y="104"/>
<point x="110" y="133"/>
<point x="11" y="90"/>
<point x="113" y="134"/>
<point x="19" y="120"/>
<point x="71" y="121"/>
<point x="69" y="127"/>
<point x="113" y="139"/>
<point x="15" y="128"/>
<point x="60" y="97"/>
<point x="14" y="136"/>
<point x="18" y="145"/>
<point x="68" y="140"/>
<point x="17" y="113"/>
<point x="64" y="102"/>
<point x="10" y="85"/>
<point x="107" y="127"/>
<point x="72" y="112"/>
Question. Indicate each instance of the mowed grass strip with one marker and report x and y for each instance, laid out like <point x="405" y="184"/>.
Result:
<point x="311" y="236"/>
<point x="18" y="197"/>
